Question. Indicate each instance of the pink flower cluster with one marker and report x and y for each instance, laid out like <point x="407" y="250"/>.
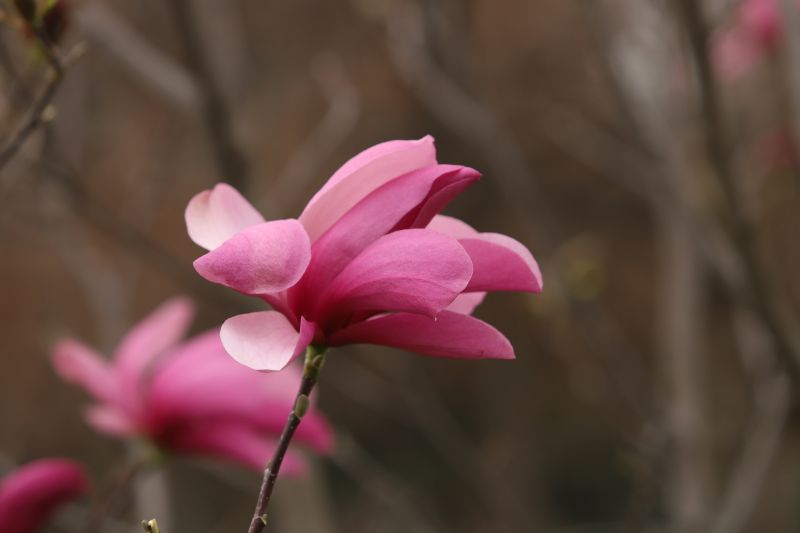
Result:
<point x="188" y="397"/>
<point x="369" y="260"/>
<point x="30" y="494"/>
<point x="756" y="30"/>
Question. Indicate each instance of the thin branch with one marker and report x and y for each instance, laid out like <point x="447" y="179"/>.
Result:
<point x="314" y="360"/>
<point x="780" y="322"/>
<point x="38" y="112"/>
<point x="230" y="161"/>
<point x="772" y="406"/>
<point x="108" y="221"/>
<point x="109" y="499"/>
<point x="115" y="37"/>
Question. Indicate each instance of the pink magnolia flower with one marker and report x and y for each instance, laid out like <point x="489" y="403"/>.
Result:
<point x="187" y="397"/>
<point x="368" y="261"/>
<point x="30" y="494"/>
<point x="756" y="31"/>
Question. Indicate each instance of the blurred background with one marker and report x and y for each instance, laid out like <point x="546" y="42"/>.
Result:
<point x="644" y="150"/>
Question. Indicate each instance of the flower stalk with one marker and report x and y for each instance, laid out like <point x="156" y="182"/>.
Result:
<point x="315" y="358"/>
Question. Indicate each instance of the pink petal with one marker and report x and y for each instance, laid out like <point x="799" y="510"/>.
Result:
<point x="376" y="215"/>
<point x="501" y="264"/>
<point x="111" y="421"/>
<point x="445" y="189"/>
<point x="151" y="337"/>
<point x="269" y="257"/>
<point x="216" y="215"/>
<point x="413" y="270"/>
<point x="234" y="442"/>
<point x="79" y="364"/>
<point x="265" y="340"/>
<point x="452" y="335"/>
<point x="200" y="381"/>
<point x="361" y="175"/>
<point x="466" y="302"/>
<point x="454" y="227"/>
<point x="32" y="493"/>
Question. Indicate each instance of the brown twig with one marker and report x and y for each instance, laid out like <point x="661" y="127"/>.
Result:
<point x="314" y="360"/>
<point x="108" y="221"/>
<point x="37" y="114"/>
<point x="110" y="498"/>
<point x="230" y="161"/>
<point x="772" y="407"/>
<point x="781" y="324"/>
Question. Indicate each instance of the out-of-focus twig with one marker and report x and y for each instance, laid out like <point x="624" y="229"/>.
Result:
<point x="114" y="36"/>
<point x="374" y="479"/>
<point x="229" y="158"/>
<point x="342" y="114"/>
<point x="776" y="316"/>
<point x="38" y="111"/>
<point x="107" y="221"/>
<point x="772" y="403"/>
<point x="790" y="18"/>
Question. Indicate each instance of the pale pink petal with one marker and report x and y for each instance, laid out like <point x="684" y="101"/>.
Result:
<point x="111" y="421"/>
<point x="269" y="257"/>
<point x="234" y="442"/>
<point x="413" y="270"/>
<point x="79" y="364"/>
<point x="382" y="211"/>
<point x="501" y="263"/>
<point x="466" y="302"/>
<point x="265" y="340"/>
<point x="452" y="335"/>
<point x="151" y="337"/>
<point x="360" y="176"/>
<point x="454" y="227"/>
<point x="216" y="215"/>
<point x="31" y="494"/>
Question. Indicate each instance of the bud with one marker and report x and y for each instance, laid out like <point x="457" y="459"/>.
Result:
<point x="301" y="406"/>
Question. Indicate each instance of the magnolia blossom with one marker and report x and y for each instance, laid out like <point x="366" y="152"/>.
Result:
<point x="187" y="397"/>
<point x="30" y="494"/>
<point x="369" y="260"/>
<point x="755" y="31"/>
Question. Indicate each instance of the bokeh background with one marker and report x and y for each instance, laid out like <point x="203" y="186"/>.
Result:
<point x="645" y="158"/>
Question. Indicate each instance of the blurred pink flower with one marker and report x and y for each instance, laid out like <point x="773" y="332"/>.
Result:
<point x="368" y="261"/>
<point x="187" y="397"/>
<point x="31" y="493"/>
<point x="756" y="30"/>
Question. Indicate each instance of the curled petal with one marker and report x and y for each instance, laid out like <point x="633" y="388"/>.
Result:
<point x="79" y="364"/>
<point x="30" y="494"/>
<point x="216" y="215"/>
<point x="360" y="176"/>
<point x="415" y="270"/>
<point x="501" y="264"/>
<point x="451" y="335"/>
<point x="266" y="258"/>
<point x="265" y="340"/>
